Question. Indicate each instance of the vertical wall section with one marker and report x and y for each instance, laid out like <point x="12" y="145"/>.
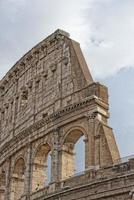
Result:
<point x="48" y="101"/>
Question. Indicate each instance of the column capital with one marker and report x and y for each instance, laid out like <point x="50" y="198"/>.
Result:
<point x="91" y="116"/>
<point x="85" y="140"/>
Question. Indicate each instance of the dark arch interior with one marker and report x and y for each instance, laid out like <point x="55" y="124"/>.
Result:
<point x="18" y="178"/>
<point x="41" y="173"/>
<point x="73" y="154"/>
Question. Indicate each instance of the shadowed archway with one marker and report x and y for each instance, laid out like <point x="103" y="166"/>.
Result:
<point x="18" y="178"/>
<point x="41" y="171"/>
<point x="73" y="153"/>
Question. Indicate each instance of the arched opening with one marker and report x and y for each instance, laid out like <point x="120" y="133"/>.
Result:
<point x="49" y="163"/>
<point x="18" y="178"/>
<point x="2" y="185"/>
<point x="41" y="173"/>
<point x="79" y="150"/>
<point x="73" y="154"/>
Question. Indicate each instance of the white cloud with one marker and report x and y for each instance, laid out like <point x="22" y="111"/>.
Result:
<point x="111" y="25"/>
<point x="105" y="29"/>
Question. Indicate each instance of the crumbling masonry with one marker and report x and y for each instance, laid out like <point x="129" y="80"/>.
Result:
<point x="48" y="101"/>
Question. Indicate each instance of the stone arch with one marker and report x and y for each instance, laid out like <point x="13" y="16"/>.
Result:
<point x="38" y="144"/>
<point x="2" y="184"/>
<point x="75" y="128"/>
<point x="18" y="178"/>
<point x="40" y="166"/>
<point x="68" y="154"/>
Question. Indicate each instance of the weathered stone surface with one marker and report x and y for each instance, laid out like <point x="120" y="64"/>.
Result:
<point x="48" y="100"/>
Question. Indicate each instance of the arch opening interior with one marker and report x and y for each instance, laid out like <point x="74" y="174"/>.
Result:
<point x="18" y="179"/>
<point x="41" y="173"/>
<point x="71" y="153"/>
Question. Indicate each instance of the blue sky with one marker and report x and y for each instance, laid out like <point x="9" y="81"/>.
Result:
<point x="105" y="30"/>
<point x="121" y="96"/>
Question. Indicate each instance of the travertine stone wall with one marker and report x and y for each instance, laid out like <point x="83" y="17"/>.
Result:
<point x="48" y="101"/>
<point x="110" y="183"/>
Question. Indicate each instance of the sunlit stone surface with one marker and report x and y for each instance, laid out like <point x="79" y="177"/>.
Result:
<point x="55" y="142"/>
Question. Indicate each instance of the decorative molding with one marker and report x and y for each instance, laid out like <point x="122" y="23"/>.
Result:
<point x="48" y="119"/>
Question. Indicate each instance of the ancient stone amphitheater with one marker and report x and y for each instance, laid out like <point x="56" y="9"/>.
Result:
<point x="48" y="101"/>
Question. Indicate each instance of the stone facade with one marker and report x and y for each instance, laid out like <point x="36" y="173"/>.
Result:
<point x="48" y="101"/>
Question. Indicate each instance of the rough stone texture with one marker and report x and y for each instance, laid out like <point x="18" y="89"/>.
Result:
<point x="48" y="101"/>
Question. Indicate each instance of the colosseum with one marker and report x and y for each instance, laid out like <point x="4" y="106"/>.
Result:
<point x="48" y="101"/>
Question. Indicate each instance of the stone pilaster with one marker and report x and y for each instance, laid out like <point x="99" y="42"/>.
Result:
<point x="90" y="154"/>
<point x="55" y="171"/>
<point x="28" y="174"/>
<point x="8" y="180"/>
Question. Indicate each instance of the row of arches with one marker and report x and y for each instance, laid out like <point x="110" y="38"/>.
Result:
<point x="72" y="160"/>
